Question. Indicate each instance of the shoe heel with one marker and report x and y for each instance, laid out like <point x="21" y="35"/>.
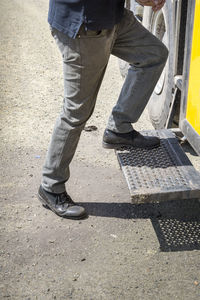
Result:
<point x="106" y="146"/>
<point x="112" y="146"/>
<point x="41" y="200"/>
<point x="45" y="206"/>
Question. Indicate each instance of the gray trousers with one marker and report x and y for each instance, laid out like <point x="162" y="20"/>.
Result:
<point x="84" y="63"/>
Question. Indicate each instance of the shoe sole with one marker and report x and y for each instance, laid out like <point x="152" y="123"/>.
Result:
<point x="122" y="146"/>
<point x="45" y="205"/>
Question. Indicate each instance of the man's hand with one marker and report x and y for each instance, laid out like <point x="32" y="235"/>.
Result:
<point x="155" y="4"/>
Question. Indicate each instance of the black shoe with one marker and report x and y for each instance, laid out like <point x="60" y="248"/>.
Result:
<point x="114" y="140"/>
<point x="61" y="204"/>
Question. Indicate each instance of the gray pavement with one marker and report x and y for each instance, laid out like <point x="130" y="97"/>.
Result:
<point x="122" y="251"/>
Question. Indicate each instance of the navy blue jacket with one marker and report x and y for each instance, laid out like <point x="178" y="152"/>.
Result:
<point x="68" y="15"/>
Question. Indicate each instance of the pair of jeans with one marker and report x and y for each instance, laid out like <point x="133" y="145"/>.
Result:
<point x="84" y="63"/>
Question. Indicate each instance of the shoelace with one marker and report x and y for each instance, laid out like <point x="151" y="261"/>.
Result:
<point x="64" y="198"/>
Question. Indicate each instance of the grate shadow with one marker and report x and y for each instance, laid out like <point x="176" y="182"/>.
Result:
<point x="176" y="223"/>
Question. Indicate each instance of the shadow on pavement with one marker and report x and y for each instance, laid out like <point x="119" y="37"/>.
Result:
<point x="176" y="223"/>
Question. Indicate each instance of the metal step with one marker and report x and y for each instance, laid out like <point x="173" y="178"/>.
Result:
<point x="160" y="174"/>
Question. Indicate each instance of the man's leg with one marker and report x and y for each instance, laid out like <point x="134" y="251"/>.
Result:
<point x="84" y="62"/>
<point x="147" y="57"/>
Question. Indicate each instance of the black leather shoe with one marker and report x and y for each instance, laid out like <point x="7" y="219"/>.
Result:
<point x="61" y="204"/>
<point x="114" y="140"/>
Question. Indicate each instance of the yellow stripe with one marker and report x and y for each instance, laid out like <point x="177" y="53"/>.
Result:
<point x="193" y="102"/>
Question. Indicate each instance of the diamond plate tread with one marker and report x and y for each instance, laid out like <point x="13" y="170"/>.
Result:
<point x="160" y="174"/>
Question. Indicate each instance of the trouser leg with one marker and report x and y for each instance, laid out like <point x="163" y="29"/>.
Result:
<point x="84" y="62"/>
<point x="147" y="56"/>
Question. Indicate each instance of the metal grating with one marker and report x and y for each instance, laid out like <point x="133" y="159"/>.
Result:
<point x="177" y="235"/>
<point x="163" y="173"/>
